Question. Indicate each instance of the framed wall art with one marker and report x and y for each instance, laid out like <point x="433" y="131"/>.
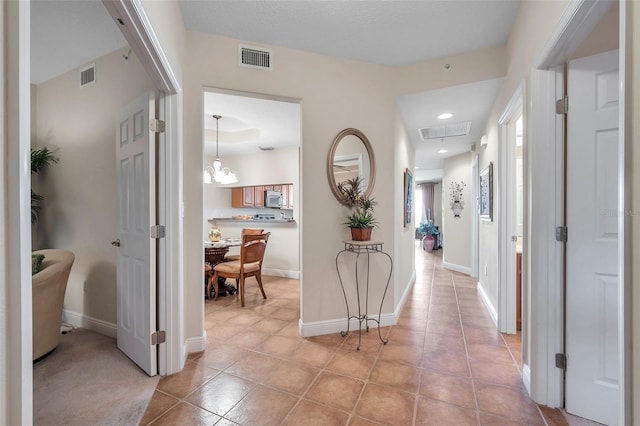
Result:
<point x="408" y="197"/>
<point x="486" y="193"/>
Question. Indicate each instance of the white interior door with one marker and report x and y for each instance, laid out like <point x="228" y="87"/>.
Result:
<point x="593" y="284"/>
<point x="136" y="288"/>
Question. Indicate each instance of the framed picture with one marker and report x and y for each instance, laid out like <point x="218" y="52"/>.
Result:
<point x="408" y="197"/>
<point x="486" y="193"/>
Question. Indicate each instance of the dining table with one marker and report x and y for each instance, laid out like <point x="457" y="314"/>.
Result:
<point x="214" y="253"/>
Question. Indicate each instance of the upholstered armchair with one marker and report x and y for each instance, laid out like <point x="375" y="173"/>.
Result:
<point x="49" y="286"/>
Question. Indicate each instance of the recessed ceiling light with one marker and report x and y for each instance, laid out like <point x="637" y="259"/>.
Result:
<point x="445" y="116"/>
<point x="416" y="167"/>
<point x="442" y="151"/>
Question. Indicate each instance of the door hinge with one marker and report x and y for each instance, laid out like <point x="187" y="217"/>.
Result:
<point x="561" y="361"/>
<point x="562" y="234"/>
<point x="157" y="231"/>
<point x="562" y="106"/>
<point x="156" y="125"/>
<point x="158" y="337"/>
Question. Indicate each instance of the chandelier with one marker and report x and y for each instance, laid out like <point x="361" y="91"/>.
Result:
<point x="217" y="173"/>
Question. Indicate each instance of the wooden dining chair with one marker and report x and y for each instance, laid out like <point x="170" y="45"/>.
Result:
<point x="250" y="264"/>
<point x="245" y="231"/>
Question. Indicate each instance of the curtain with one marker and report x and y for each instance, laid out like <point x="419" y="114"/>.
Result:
<point x="427" y="200"/>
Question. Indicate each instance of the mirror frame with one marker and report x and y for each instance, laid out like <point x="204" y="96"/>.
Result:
<point x="332" y="152"/>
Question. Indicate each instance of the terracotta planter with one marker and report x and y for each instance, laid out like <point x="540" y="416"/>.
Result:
<point x="361" y="234"/>
<point x="428" y="242"/>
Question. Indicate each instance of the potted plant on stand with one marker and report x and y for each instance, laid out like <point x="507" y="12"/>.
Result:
<point x="361" y="221"/>
<point x="429" y="234"/>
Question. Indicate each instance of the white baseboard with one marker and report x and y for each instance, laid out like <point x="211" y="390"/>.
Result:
<point x="526" y="377"/>
<point x="281" y="273"/>
<point x="405" y="295"/>
<point x="83" y="321"/>
<point x="457" y="268"/>
<point x="492" y="310"/>
<point x="318" y="328"/>
<point x="335" y="326"/>
<point x="195" y="344"/>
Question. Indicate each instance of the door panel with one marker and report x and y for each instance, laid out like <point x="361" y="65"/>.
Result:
<point x="136" y="258"/>
<point x="593" y="284"/>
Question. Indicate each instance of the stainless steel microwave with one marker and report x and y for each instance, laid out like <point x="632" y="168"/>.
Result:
<point x="273" y="199"/>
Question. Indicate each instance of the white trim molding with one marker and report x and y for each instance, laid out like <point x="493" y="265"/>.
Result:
<point x="506" y="313"/>
<point x="131" y="18"/>
<point x="318" y="328"/>
<point x="457" y="268"/>
<point x="543" y="305"/>
<point x="526" y="377"/>
<point x="79" y="320"/>
<point x="487" y="302"/>
<point x="195" y="344"/>
<point x="338" y="325"/>
<point x="281" y="273"/>
<point x="16" y="352"/>
<point x="544" y="294"/>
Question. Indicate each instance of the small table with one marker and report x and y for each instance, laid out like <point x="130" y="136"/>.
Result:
<point x="363" y="248"/>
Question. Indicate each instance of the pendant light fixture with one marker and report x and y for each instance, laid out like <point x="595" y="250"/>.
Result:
<point x="217" y="173"/>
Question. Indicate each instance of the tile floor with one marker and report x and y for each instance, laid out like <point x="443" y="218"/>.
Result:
<point x="444" y="365"/>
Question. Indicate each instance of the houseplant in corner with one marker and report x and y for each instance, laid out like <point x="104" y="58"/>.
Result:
<point x="40" y="159"/>
<point x="361" y="221"/>
<point x="429" y="233"/>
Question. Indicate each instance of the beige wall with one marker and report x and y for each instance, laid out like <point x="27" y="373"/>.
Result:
<point x="269" y="167"/>
<point x="479" y="65"/>
<point x="534" y="24"/>
<point x="404" y="244"/>
<point x="457" y="247"/>
<point x="80" y="191"/>
<point x="603" y="37"/>
<point x="168" y="25"/>
<point x="335" y="94"/>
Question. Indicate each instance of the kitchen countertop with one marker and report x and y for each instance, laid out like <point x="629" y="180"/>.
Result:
<point x="228" y="219"/>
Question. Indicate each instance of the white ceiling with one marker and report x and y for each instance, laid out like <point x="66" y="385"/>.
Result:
<point x="67" y="34"/>
<point x="384" y="32"/>
<point x="467" y="102"/>
<point x="249" y="123"/>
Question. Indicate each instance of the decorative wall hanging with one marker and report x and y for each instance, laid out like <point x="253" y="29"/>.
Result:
<point x="456" y="199"/>
<point x="408" y="197"/>
<point x="486" y="193"/>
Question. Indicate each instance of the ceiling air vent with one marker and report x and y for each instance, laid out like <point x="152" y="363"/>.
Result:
<point x="445" y="131"/>
<point x="88" y="75"/>
<point x="255" y="57"/>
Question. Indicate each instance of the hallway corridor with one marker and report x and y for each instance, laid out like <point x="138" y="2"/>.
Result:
<point x="444" y="365"/>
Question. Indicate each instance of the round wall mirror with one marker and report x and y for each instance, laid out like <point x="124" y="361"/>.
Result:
<point x="351" y="155"/>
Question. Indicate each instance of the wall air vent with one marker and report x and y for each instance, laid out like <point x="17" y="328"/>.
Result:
<point x="445" y="131"/>
<point x="88" y="75"/>
<point x="255" y="57"/>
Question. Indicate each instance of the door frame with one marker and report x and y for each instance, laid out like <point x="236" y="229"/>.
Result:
<point x="544" y="297"/>
<point x="17" y="391"/>
<point x="140" y="35"/>
<point x="506" y="206"/>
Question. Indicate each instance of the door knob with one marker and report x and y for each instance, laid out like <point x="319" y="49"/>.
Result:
<point x="513" y="238"/>
<point x="116" y="243"/>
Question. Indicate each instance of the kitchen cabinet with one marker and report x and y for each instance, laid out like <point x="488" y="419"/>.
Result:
<point x="242" y="197"/>
<point x="253" y="196"/>
<point x="288" y="189"/>
<point x="285" y="196"/>
<point x="258" y="196"/>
